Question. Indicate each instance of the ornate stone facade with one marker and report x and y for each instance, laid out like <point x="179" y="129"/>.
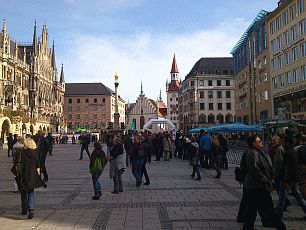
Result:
<point x="31" y="97"/>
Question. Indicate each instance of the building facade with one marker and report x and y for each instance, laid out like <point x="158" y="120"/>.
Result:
<point x="287" y="39"/>
<point x="172" y="89"/>
<point x="91" y="106"/>
<point x="207" y="94"/>
<point x="253" y="97"/>
<point x="144" y="109"/>
<point x="31" y="96"/>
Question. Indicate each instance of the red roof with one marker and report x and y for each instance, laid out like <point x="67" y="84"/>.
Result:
<point x="173" y="86"/>
<point x="174" y="68"/>
<point x="162" y="108"/>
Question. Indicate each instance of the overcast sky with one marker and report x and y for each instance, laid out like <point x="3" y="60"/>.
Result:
<point x="135" y="38"/>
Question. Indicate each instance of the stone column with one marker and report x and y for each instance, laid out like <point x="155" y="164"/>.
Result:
<point x="116" y="114"/>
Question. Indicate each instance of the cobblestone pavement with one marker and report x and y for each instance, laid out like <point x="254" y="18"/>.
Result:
<point x="172" y="201"/>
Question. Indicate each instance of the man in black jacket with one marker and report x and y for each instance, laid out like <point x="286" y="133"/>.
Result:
<point x="10" y="143"/>
<point x="43" y="149"/>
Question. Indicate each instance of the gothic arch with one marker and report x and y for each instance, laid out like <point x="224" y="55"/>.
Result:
<point x="211" y="118"/>
<point x="220" y="118"/>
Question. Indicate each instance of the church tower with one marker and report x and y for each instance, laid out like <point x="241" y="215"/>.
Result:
<point x="172" y="89"/>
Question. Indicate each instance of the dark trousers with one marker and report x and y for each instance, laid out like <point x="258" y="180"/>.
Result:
<point x="50" y="150"/>
<point x="27" y="200"/>
<point x="43" y="167"/>
<point x="180" y="153"/>
<point x="118" y="187"/>
<point x="208" y="163"/>
<point x="224" y="161"/>
<point x="260" y="200"/>
<point x="9" y="150"/>
<point x="158" y="153"/>
<point x="144" y="172"/>
<point x="196" y="170"/>
<point x="84" y="147"/>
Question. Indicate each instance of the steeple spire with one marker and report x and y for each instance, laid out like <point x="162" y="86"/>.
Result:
<point x="34" y="51"/>
<point x="4" y="26"/>
<point x="160" y="97"/>
<point x="62" y="79"/>
<point x="53" y="57"/>
<point x="141" y="91"/>
<point x="174" y="68"/>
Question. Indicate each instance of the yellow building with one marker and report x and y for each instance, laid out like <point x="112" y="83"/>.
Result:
<point x="31" y="97"/>
<point x="287" y="39"/>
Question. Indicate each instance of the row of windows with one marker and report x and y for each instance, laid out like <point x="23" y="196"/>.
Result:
<point x="210" y="94"/>
<point x="288" y="15"/>
<point x="210" y="83"/>
<point x="292" y="55"/>
<point x="214" y="72"/>
<point x="219" y="106"/>
<point x="288" y="36"/>
<point x="86" y="116"/>
<point x="86" y="125"/>
<point x="86" y="108"/>
<point x="289" y="78"/>
<point x="78" y="100"/>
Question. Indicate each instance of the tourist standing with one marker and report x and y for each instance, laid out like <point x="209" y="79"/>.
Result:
<point x="50" y="138"/>
<point x="195" y="159"/>
<point x="217" y="155"/>
<point x="10" y="143"/>
<point x="147" y="148"/>
<point x="43" y="149"/>
<point x="167" y="147"/>
<point x="205" y="143"/>
<point x="128" y="142"/>
<point x="117" y="163"/>
<point x="85" y="141"/>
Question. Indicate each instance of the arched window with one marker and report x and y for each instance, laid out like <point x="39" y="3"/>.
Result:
<point x="229" y="118"/>
<point x="220" y="118"/>
<point x="133" y="127"/>
<point x="211" y="118"/>
<point x="202" y="118"/>
<point x="142" y="122"/>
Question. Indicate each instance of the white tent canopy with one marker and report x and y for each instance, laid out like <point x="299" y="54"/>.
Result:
<point x="159" y="121"/>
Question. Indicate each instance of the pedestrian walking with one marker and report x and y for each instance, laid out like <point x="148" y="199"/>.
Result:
<point x="195" y="159"/>
<point x="30" y="177"/>
<point x="10" y="143"/>
<point x="50" y="138"/>
<point x="85" y="141"/>
<point x="147" y="148"/>
<point x="97" y="162"/>
<point x="205" y="143"/>
<point x="137" y="159"/>
<point x="43" y="149"/>
<point x="128" y="142"/>
<point x="224" y="149"/>
<point x="217" y="155"/>
<point x="290" y="177"/>
<point x="117" y="163"/>
<point x="258" y="185"/>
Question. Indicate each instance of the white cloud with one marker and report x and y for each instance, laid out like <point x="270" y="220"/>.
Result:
<point x="145" y="57"/>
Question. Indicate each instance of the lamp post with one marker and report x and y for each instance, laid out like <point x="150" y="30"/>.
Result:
<point x="116" y="114"/>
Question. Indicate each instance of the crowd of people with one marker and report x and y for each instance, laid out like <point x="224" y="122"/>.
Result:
<point x="283" y="169"/>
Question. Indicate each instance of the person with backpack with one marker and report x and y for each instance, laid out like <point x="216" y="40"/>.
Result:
<point x="258" y="187"/>
<point x="97" y="162"/>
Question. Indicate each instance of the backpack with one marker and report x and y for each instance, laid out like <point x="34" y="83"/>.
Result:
<point x="240" y="172"/>
<point x="17" y="162"/>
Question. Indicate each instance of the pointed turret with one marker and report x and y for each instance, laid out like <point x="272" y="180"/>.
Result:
<point x="141" y="91"/>
<point x="160" y="97"/>
<point x="34" y="51"/>
<point x="53" y="57"/>
<point x="62" y="79"/>
<point x="174" y="68"/>
<point x="4" y="26"/>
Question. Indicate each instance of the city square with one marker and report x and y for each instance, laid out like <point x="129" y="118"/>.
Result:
<point x="172" y="201"/>
<point x="201" y="103"/>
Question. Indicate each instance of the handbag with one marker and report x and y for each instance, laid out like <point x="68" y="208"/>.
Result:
<point x="97" y="166"/>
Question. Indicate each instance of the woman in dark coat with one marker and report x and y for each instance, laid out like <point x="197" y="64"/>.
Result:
<point x="30" y="178"/>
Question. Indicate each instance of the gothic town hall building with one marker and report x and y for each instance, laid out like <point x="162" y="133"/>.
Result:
<point x="31" y="97"/>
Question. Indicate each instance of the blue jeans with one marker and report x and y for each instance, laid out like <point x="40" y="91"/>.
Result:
<point x="283" y="193"/>
<point x="27" y="200"/>
<point x="136" y="169"/>
<point x="96" y="183"/>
